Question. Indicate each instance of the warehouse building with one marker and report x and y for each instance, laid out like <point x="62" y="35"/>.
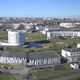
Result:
<point x="31" y="59"/>
<point x="64" y="34"/>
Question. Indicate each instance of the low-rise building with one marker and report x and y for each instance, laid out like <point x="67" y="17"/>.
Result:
<point x="64" y="34"/>
<point x="43" y="58"/>
<point x="39" y="27"/>
<point x="67" y="25"/>
<point x="78" y="45"/>
<point x="12" y="57"/>
<point x="31" y="59"/>
<point x="50" y="29"/>
<point x="75" y="65"/>
<point x="72" y="55"/>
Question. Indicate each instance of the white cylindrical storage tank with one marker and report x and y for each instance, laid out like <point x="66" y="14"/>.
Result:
<point x="16" y="37"/>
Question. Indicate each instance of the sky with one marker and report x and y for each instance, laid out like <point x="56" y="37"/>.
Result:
<point x="39" y="8"/>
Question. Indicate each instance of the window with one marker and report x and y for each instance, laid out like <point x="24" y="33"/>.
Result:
<point x="28" y="61"/>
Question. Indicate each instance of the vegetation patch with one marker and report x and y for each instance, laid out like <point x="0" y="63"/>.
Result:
<point x="9" y="77"/>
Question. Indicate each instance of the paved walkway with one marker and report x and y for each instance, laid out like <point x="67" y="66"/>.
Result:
<point x="16" y="71"/>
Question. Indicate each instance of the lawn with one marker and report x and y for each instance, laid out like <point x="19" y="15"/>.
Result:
<point x="35" y="36"/>
<point x="3" y="34"/>
<point x="55" y="73"/>
<point x="9" y="77"/>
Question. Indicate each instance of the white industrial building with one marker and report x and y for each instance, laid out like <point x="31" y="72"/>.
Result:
<point x="65" y="34"/>
<point x="67" y="25"/>
<point x="15" y="38"/>
<point x="49" y="29"/>
<point x="73" y="55"/>
<point x="78" y="45"/>
<point x="43" y="58"/>
<point x="12" y="57"/>
<point x="31" y="59"/>
<point x="75" y="65"/>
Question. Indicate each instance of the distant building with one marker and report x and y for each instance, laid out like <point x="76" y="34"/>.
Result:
<point x="15" y="25"/>
<point x="67" y="25"/>
<point x="64" y="34"/>
<point x="78" y="45"/>
<point x="39" y="27"/>
<point x="26" y="25"/>
<point x="49" y="29"/>
<point x="31" y="59"/>
<point x="1" y="24"/>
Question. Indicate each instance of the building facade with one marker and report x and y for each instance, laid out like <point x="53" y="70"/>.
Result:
<point x="31" y="59"/>
<point x="75" y="65"/>
<point x="50" y="29"/>
<point x="65" y="34"/>
<point x="16" y="37"/>
<point x="12" y="57"/>
<point x="43" y="58"/>
<point x="78" y="45"/>
<point x="67" y="25"/>
<point x="72" y="55"/>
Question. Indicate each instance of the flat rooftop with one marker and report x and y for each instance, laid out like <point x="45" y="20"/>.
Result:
<point x="30" y="55"/>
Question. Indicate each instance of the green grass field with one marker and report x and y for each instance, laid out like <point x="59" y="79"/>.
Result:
<point x="35" y="36"/>
<point x="3" y="34"/>
<point x="56" y="73"/>
<point x="9" y="77"/>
